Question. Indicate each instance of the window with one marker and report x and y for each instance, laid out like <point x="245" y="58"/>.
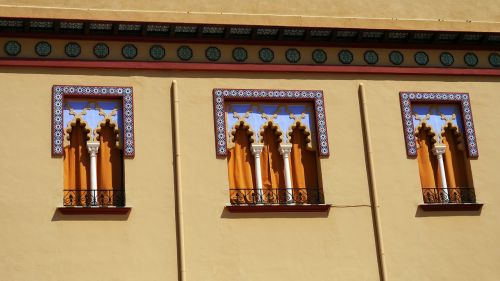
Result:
<point x="441" y="129"/>
<point x="272" y="145"/>
<point x="93" y="135"/>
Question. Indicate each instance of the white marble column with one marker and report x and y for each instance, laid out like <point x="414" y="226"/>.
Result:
<point x="256" y="151"/>
<point x="439" y="150"/>
<point x="93" y="148"/>
<point x="285" y="150"/>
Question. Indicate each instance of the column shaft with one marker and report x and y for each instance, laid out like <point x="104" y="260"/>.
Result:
<point x="93" y="148"/>
<point x="285" y="150"/>
<point x="439" y="150"/>
<point x="256" y="151"/>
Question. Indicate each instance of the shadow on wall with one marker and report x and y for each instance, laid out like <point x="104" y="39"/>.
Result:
<point x="226" y="214"/>
<point x="58" y="216"/>
<point x="455" y="213"/>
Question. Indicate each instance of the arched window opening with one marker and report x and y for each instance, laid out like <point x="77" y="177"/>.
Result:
<point x="448" y="158"/>
<point x="109" y="166"/>
<point x="427" y="162"/>
<point x="272" y="167"/>
<point x="303" y="166"/>
<point x="77" y="166"/>
<point x="285" y="166"/>
<point x="241" y="168"/>
<point x="456" y="166"/>
<point x="94" y="158"/>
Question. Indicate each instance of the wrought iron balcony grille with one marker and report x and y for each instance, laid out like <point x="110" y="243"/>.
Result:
<point x="276" y="196"/>
<point x="94" y="198"/>
<point x="449" y="195"/>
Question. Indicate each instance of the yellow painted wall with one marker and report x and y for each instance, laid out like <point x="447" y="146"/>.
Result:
<point x="40" y="244"/>
<point x="462" y="15"/>
<point x="436" y="245"/>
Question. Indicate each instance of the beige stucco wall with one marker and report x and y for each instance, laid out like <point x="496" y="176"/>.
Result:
<point x="464" y="15"/>
<point x="40" y="244"/>
<point x="434" y="245"/>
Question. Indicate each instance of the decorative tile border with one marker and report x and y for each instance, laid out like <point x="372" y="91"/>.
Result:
<point x="313" y="96"/>
<point x="407" y="98"/>
<point x="59" y="92"/>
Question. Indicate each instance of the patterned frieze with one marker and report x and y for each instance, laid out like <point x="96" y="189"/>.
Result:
<point x="30" y="48"/>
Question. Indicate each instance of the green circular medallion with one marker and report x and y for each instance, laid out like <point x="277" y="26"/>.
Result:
<point x="43" y="49"/>
<point x="240" y="54"/>
<point x="129" y="51"/>
<point x="346" y="57"/>
<point x="101" y="50"/>
<point x="446" y="59"/>
<point x="319" y="56"/>
<point x="12" y="48"/>
<point x="292" y="55"/>
<point x="471" y="59"/>
<point x="72" y="49"/>
<point x="184" y="53"/>
<point x="396" y="57"/>
<point x="266" y="55"/>
<point x="370" y="57"/>
<point x="421" y="58"/>
<point x="494" y="59"/>
<point x="157" y="52"/>
<point x="212" y="53"/>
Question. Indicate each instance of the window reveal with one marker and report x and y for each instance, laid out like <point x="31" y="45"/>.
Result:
<point x="443" y="165"/>
<point x="265" y="165"/>
<point x="93" y="156"/>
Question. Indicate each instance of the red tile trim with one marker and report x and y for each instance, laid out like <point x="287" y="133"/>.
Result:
<point x="249" y="67"/>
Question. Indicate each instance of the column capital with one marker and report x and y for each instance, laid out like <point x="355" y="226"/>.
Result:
<point x="439" y="149"/>
<point x="93" y="148"/>
<point x="256" y="148"/>
<point x="285" y="148"/>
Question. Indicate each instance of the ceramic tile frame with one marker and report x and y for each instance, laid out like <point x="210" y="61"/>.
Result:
<point x="316" y="97"/>
<point x="407" y="99"/>
<point x="60" y="92"/>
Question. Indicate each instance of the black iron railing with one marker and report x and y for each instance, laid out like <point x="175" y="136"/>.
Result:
<point x="276" y="196"/>
<point x="449" y="195"/>
<point x="94" y="198"/>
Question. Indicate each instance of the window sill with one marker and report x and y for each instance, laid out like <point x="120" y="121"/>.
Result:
<point x="450" y="206"/>
<point x="94" y="210"/>
<point x="278" y="208"/>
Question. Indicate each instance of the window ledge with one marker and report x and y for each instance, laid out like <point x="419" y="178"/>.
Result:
<point x="450" y="206"/>
<point x="94" y="210"/>
<point x="278" y="208"/>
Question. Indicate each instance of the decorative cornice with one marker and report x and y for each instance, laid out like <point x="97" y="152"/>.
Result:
<point x="171" y="32"/>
